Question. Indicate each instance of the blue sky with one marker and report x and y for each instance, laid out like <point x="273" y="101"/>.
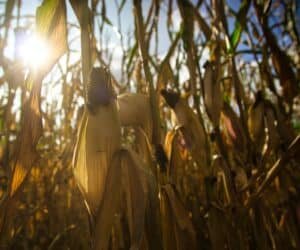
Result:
<point x="127" y="21"/>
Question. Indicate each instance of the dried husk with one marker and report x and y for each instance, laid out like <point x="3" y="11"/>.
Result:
<point x="193" y="131"/>
<point x="98" y="140"/>
<point x="212" y="93"/>
<point x="256" y="121"/>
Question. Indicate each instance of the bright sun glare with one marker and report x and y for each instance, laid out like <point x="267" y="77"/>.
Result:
<point x="34" y="52"/>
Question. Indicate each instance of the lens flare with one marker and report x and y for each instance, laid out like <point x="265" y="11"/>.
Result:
<point x="34" y="52"/>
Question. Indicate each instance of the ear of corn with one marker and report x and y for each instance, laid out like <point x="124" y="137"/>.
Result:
<point x="256" y="121"/>
<point x="212" y="93"/>
<point x="193" y="130"/>
<point x="97" y="144"/>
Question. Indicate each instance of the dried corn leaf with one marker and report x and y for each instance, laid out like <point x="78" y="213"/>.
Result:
<point x="179" y="218"/>
<point x="168" y="223"/>
<point x="217" y="229"/>
<point x="109" y="204"/>
<point x="25" y="151"/>
<point x="135" y="195"/>
<point x="153" y="218"/>
<point x="193" y="131"/>
<point x="51" y="25"/>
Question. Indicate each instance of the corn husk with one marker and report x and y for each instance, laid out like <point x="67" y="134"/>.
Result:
<point x="256" y="121"/>
<point x="193" y="131"/>
<point x="134" y="110"/>
<point x="98" y="140"/>
<point x="212" y="94"/>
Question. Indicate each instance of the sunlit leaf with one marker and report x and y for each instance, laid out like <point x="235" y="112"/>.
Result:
<point x="104" y="218"/>
<point x="135" y="196"/>
<point x="51" y="25"/>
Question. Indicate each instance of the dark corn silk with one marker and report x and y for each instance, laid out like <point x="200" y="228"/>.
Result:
<point x="171" y="98"/>
<point x="99" y="91"/>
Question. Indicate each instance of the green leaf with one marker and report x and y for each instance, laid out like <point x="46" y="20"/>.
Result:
<point x="105" y="19"/>
<point x="121" y="5"/>
<point x="240" y="24"/>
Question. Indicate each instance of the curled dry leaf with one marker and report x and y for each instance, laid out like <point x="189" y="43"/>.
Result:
<point x="193" y="131"/>
<point x="98" y="140"/>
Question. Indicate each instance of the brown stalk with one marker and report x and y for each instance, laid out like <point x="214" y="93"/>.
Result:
<point x="156" y="137"/>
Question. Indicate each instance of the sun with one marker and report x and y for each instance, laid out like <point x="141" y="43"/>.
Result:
<point x="34" y="52"/>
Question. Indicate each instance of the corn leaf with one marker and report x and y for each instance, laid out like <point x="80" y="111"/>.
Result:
<point x="51" y="25"/>
<point x="135" y="196"/>
<point x="240" y="24"/>
<point x="109" y="204"/>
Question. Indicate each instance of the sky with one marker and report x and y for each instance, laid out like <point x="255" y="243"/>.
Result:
<point x="127" y="22"/>
<point x="29" y="7"/>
